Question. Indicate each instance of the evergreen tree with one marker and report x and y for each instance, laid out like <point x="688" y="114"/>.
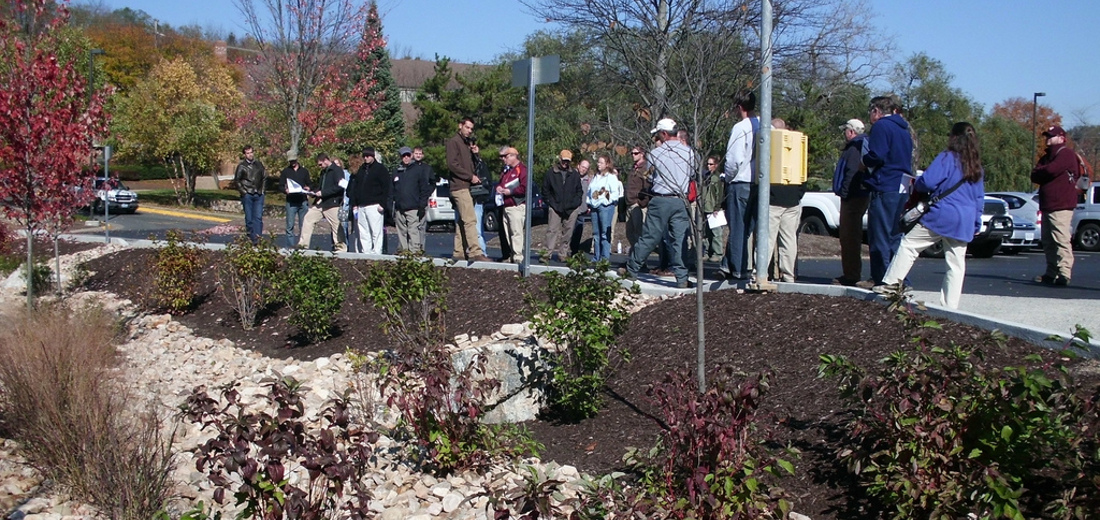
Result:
<point x="385" y="131"/>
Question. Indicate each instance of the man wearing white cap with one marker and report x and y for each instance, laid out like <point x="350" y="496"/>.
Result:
<point x="673" y="165"/>
<point x="854" y="198"/>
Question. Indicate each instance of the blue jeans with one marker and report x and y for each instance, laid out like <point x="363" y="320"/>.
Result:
<point x="883" y="234"/>
<point x="663" y="215"/>
<point x="253" y="204"/>
<point x="295" y="213"/>
<point x="479" y="210"/>
<point x="602" y="218"/>
<point x="741" y="215"/>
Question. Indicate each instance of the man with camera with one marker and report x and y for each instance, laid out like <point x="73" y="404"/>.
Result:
<point x="460" y="162"/>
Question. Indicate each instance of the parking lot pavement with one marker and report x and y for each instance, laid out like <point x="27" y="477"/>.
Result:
<point x="1059" y="315"/>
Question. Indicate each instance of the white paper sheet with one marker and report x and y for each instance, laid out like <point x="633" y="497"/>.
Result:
<point x="717" y="220"/>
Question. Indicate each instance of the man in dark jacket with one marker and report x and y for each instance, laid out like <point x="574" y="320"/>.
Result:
<point x="370" y="197"/>
<point x="412" y="185"/>
<point x="889" y="159"/>
<point x="854" y="197"/>
<point x="561" y="189"/>
<point x="1056" y="174"/>
<point x="295" y="182"/>
<point x="326" y="204"/>
<point x="460" y="162"/>
<point x="250" y="177"/>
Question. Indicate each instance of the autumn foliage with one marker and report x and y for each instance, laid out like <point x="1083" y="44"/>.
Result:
<point x="47" y="120"/>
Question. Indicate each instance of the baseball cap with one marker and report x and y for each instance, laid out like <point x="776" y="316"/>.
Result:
<point x="510" y="151"/>
<point x="1055" y="131"/>
<point x="566" y="155"/>
<point x="854" y="125"/>
<point x="405" y="150"/>
<point x="664" y="125"/>
<point x="291" y="156"/>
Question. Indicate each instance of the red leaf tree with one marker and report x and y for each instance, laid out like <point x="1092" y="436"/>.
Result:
<point x="47" y="121"/>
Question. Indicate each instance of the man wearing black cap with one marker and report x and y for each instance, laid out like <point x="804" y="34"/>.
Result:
<point x="412" y="186"/>
<point x="1056" y="176"/>
<point x="370" y="196"/>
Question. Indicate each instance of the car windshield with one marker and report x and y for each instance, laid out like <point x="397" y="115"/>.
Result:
<point x="443" y="190"/>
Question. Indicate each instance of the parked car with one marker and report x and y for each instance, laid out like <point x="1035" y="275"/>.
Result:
<point x="1085" y="226"/>
<point x="996" y="226"/>
<point x="1026" y="220"/>
<point x="440" y="211"/>
<point x="113" y="195"/>
<point x="493" y="215"/>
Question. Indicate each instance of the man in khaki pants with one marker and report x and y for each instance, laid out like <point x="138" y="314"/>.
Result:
<point x="1056" y="174"/>
<point x="460" y="162"/>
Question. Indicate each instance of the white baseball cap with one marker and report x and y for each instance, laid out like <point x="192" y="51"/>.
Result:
<point x="664" y="125"/>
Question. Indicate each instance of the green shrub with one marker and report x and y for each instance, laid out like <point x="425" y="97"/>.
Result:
<point x="712" y="462"/>
<point x="247" y="279"/>
<point x="583" y="313"/>
<point x="41" y="278"/>
<point x="313" y="289"/>
<point x="937" y="435"/>
<point x="411" y="293"/>
<point x="73" y="420"/>
<point x="176" y="271"/>
<point x="253" y="453"/>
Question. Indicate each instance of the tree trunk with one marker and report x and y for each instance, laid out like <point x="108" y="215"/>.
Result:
<point x="30" y="268"/>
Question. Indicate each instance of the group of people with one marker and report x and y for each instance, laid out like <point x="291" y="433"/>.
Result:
<point x="353" y="205"/>
<point x="875" y="175"/>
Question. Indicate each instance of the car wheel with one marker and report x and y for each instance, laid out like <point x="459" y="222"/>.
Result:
<point x="490" y="222"/>
<point x="1088" y="237"/>
<point x="935" y="251"/>
<point x="813" y="225"/>
<point x="984" y="249"/>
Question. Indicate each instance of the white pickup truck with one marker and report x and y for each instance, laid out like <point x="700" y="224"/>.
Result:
<point x="821" y="216"/>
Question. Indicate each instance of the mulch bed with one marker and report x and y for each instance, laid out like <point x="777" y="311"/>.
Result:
<point x="781" y="333"/>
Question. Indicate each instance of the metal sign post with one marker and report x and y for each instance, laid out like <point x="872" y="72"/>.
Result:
<point x="531" y="72"/>
<point x="107" y="194"/>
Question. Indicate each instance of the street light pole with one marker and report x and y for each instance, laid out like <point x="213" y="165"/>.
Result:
<point x="92" y="53"/>
<point x="1035" y="122"/>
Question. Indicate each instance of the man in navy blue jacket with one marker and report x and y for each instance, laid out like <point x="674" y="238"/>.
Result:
<point x="888" y="156"/>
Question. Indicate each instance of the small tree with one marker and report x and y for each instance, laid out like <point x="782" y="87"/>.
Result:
<point x="174" y="116"/>
<point x="47" y="120"/>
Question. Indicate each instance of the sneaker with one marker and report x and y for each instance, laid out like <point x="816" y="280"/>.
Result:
<point x="884" y="288"/>
<point x="866" y="284"/>
<point x="686" y="284"/>
<point x="1061" y="281"/>
<point x="480" y="258"/>
<point x="1045" y="279"/>
<point x="623" y="272"/>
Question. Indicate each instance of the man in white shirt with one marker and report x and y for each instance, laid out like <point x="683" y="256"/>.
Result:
<point x="740" y="187"/>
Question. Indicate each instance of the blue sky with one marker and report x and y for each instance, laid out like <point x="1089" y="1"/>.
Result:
<point x="996" y="49"/>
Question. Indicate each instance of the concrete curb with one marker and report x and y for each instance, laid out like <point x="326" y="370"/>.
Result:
<point x="656" y="286"/>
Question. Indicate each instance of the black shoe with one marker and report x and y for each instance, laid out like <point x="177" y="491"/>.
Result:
<point x="1046" y="280"/>
<point x="1061" y="281"/>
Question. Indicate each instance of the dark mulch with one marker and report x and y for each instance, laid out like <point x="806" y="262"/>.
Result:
<point x="783" y="333"/>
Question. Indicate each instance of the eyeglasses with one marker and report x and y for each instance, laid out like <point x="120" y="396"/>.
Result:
<point x="635" y="153"/>
<point x="711" y="164"/>
<point x="503" y="155"/>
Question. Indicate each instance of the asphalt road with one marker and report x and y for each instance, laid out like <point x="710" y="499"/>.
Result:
<point x="1002" y="275"/>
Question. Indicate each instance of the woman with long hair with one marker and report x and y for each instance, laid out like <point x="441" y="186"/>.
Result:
<point x="604" y="193"/>
<point x="956" y="176"/>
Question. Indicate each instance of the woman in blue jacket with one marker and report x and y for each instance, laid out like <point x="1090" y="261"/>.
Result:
<point x="954" y="220"/>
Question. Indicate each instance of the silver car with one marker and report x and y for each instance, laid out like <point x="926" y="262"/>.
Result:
<point x="1026" y="220"/>
<point x="440" y="211"/>
<point x="1085" y="227"/>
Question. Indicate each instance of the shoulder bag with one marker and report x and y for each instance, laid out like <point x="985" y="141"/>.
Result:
<point x="912" y="217"/>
